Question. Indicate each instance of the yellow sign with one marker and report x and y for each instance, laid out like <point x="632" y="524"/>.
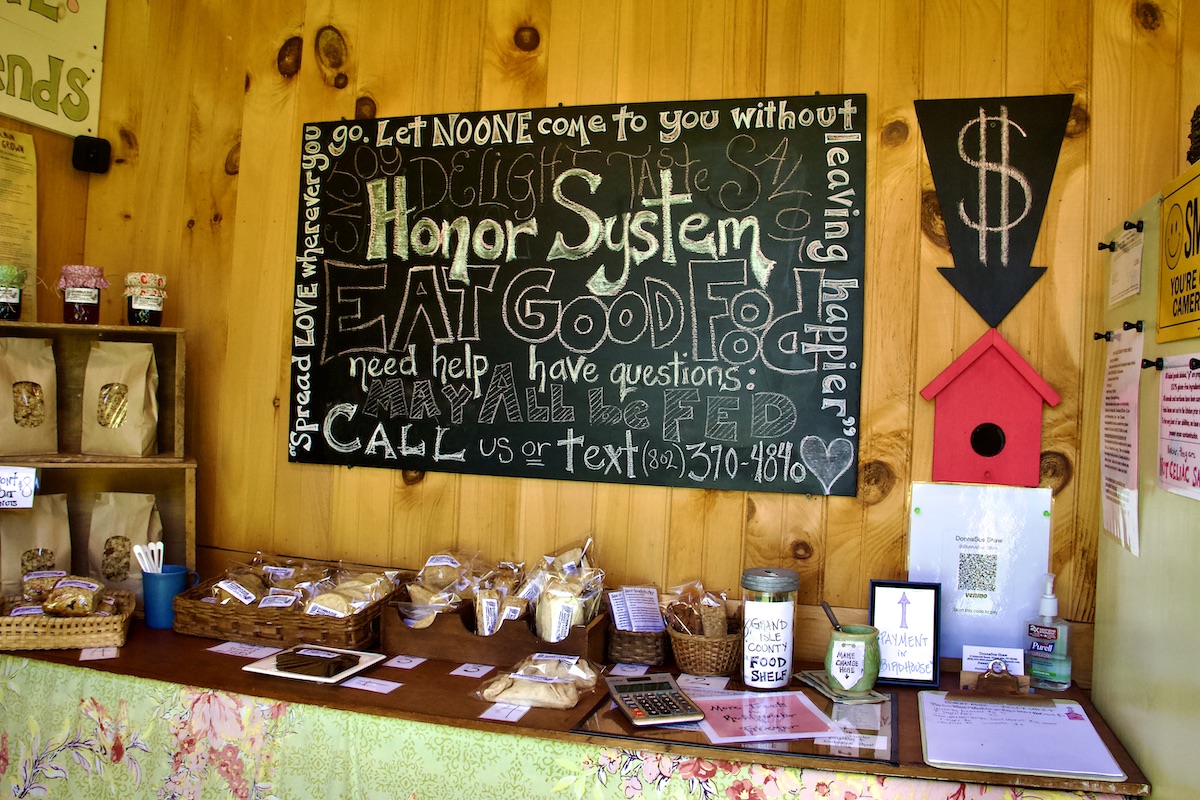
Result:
<point x="1179" y="258"/>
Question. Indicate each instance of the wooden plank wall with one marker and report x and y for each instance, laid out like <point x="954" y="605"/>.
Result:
<point x="203" y="102"/>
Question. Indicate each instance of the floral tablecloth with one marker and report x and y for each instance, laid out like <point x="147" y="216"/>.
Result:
<point x="80" y="733"/>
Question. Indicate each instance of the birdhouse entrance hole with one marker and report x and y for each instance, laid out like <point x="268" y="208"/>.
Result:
<point x="987" y="439"/>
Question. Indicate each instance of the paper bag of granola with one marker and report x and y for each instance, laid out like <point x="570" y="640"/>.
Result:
<point x="34" y="540"/>
<point x="119" y="521"/>
<point x="120" y="400"/>
<point x="28" y="414"/>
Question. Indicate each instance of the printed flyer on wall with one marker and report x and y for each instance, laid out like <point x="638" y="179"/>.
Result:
<point x="1179" y="428"/>
<point x="989" y="548"/>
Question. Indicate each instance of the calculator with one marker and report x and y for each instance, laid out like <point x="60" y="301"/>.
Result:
<point x="652" y="700"/>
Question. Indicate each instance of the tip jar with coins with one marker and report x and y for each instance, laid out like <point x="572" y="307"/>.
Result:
<point x="768" y="624"/>
<point x="144" y="296"/>
<point x="81" y="285"/>
<point x="12" y="281"/>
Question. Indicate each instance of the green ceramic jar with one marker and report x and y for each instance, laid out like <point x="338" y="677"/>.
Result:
<point x="852" y="658"/>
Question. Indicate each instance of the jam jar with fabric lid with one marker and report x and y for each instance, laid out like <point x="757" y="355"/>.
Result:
<point x="12" y="281"/>
<point x="768" y="626"/>
<point x="81" y="285"/>
<point x="144" y="296"/>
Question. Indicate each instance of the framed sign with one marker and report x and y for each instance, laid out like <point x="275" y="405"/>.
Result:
<point x="907" y="616"/>
<point x="662" y="293"/>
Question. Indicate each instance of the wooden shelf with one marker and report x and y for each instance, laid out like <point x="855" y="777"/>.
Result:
<point x="170" y="476"/>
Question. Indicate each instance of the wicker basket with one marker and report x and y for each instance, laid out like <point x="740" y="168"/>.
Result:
<point x="65" y="633"/>
<point x="280" y="627"/>
<point x="636" y="647"/>
<point x="707" y="655"/>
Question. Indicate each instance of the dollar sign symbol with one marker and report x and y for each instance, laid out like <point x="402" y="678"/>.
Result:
<point x="1006" y="172"/>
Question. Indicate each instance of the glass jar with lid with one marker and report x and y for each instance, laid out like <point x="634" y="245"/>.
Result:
<point x="768" y="626"/>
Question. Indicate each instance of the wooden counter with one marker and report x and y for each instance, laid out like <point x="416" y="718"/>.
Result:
<point x="431" y="695"/>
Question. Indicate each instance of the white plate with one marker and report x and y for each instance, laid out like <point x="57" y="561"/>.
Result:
<point x="266" y="666"/>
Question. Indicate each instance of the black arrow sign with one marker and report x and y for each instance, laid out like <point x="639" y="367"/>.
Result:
<point x="993" y="160"/>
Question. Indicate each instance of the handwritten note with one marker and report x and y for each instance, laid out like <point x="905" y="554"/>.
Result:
<point x="376" y="685"/>
<point x="765" y="716"/>
<point x="244" y="650"/>
<point x="1057" y="739"/>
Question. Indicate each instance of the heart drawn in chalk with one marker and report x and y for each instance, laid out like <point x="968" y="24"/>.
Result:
<point x="828" y="463"/>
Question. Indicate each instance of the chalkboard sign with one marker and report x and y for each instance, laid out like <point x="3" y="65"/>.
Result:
<point x="666" y="293"/>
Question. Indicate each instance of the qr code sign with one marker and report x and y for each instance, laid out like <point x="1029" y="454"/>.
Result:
<point x="977" y="572"/>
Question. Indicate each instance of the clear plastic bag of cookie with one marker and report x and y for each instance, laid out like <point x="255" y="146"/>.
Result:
<point x="241" y="585"/>
<point x="453" y="571"/>
<point x="73" y="596"/>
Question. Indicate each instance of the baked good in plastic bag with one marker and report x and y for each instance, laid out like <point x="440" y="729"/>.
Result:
<point x="36" y="586"/>
<point x="578" y="670"/>
<point x="455" y="572"/>
<point x="242" y="583"/>
<point x="423" y="605"/>
<point x="542" y="680"/>
<point x="73" y="596"/>
<point x="689" y="609"/>
<point x="568" y="599"/>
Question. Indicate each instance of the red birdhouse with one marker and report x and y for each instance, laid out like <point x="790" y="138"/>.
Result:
<point x="987" y="418"/>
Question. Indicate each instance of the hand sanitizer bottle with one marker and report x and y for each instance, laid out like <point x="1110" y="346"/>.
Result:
<point x="1048" y="662"/>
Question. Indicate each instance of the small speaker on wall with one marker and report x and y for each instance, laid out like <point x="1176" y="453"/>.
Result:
<point x="91" y="154"/>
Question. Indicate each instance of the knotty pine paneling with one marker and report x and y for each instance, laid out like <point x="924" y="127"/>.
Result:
<point x="205" y="101"/>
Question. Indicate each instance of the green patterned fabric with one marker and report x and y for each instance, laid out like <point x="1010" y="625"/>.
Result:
<point x="81" y="733"/>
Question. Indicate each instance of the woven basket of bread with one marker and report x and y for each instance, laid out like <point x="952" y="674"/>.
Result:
<point x="196" y="614"/>
<point x="706" y="655"/>
<point x="636" y="647"/>
<point x="36" y="632"/>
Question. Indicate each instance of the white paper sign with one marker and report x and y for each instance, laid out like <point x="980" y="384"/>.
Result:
<point x="1119" y="438"/>
<point x="1179" y="429"/>
<point x="979" y="659"/>
<point x="404" y="662"/>
<point x="848" y="662"/>
<point x="473" y="670"/>
<point x="245" y="650"/>
<point x="504" y="712"/>
<point x="98" y="653"/>
<point x="376" y="685"/>
<point x="1125" y="270"/>
<point x="16" y="486"/>
<point x="988" y="546"/>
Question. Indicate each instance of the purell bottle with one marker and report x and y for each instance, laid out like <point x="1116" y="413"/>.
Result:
<point x="1047" y="661"/>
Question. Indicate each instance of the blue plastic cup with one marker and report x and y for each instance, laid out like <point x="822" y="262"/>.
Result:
<point x="159" y="590"/>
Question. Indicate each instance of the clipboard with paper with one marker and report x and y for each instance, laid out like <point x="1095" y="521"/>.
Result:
<point x="1052" y="738"/>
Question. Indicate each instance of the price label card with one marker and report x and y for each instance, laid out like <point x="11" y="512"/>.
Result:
<point x="473" y="670"/>
<point x="16" y="486"/>
<point x="98" y="653"/>
<point x="404" y="662"/>
<point x="690" y="683"/>
<point x="372" y="684"/>
<point x="628" y="670"/>
<point x="504" y="712"/>
<point x="245" y="650"/>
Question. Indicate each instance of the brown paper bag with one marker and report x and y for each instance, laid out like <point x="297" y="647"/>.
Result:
<point x="119" y="521"/>
<point x="33" y="540"/>
<point x="28" y="387"/>
<point x="120" y="400"/>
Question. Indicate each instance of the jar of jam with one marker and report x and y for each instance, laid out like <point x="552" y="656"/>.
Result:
<point x="12" y="281"/>
<point x="144" y="296"/>
<point x="81" y="285"/>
